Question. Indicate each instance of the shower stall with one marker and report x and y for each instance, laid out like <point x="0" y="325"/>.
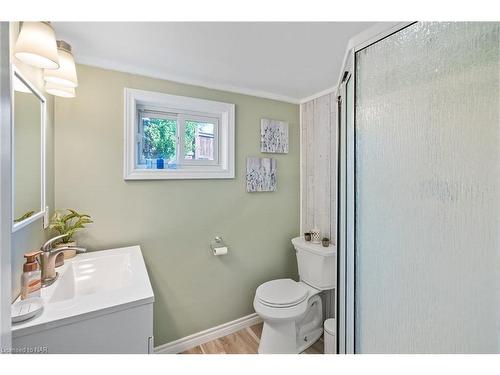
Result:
<point x="419" y="197"/>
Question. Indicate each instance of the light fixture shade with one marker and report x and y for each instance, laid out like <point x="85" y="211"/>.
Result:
<point x="62" y="91"/>
<point x="66" y="74"/>
<point x="36" y="45"/>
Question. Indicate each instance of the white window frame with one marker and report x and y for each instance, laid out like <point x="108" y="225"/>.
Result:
<point x="222" y="167"/>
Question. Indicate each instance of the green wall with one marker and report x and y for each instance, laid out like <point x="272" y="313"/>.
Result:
<point x="175" y="220"/>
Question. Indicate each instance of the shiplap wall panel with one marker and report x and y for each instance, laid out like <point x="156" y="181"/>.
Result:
<point x="319" y="165"/>
<point x="308" y="179"/>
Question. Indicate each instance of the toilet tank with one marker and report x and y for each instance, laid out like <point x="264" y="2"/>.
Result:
<point x="317" y="264"/>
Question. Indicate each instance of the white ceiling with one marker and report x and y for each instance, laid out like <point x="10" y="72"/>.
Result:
<point x="281" y="60"/>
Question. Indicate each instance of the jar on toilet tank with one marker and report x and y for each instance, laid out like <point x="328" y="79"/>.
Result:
<point x="315" y="235"/>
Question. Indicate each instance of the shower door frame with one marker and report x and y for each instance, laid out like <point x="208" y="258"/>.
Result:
<point x="346" y="187"/>
<point x="5" y="189"/>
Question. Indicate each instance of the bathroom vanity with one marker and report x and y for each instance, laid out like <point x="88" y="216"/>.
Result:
<point x="102" y="302"/>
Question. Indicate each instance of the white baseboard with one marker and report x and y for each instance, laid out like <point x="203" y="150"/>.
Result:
<point x="207" y="335"/>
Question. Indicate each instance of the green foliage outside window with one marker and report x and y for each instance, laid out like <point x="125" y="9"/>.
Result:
<point x="189" y="139"/>
<point x="160" y="138"/>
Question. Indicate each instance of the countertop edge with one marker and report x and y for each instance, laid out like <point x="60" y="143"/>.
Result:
<point x="19" y="332"/>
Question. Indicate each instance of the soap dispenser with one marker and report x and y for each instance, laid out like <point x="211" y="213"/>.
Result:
<point x="31" y="279"/>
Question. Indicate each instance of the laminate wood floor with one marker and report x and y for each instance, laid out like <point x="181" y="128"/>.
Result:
<point x="245" y="341"/>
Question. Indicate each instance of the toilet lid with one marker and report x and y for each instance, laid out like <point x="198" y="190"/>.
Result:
<point x="281" y="293"/>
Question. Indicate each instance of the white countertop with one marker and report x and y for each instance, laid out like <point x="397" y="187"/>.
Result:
<point x="92" y="284"/>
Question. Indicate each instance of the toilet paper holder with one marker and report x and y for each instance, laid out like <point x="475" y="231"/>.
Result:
<point x="217" y="242"/>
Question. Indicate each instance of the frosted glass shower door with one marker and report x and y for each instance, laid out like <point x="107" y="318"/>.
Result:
<point x="426" y="191"/>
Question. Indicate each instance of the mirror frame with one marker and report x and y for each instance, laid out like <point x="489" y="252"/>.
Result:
<point x="15" y="73"/>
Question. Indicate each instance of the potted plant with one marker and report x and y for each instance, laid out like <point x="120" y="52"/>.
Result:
<point x="325" y="241"/>
<point x="69" y="223"/>
<point x="24" y="216"/>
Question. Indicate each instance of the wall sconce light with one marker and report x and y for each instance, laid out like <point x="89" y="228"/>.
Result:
<point x="58" y="90"/>
<point x="36" y="45"/>
<point x="66" y="74"/>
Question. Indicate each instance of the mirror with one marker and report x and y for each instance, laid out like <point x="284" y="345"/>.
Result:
<point x="28" y="150"/>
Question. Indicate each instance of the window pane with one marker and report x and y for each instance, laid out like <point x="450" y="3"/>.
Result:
<point x="159" y="141"/>
<point x="199" y="140"/>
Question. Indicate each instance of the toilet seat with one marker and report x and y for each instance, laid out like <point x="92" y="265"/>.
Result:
<point x="281" y="293"/>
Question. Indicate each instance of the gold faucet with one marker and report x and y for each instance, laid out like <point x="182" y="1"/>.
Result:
<point x="48" y="259"/>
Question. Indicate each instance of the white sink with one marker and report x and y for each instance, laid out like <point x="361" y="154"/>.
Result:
<point x="90" y="286"/>
<point x="94" y="275"/>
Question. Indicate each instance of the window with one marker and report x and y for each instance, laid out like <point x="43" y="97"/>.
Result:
<point x="177" y="137"/>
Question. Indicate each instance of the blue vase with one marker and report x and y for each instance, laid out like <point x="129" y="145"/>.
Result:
<point x="160" y="164"/>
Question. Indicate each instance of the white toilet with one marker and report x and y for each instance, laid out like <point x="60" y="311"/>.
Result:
<point x="292" y="311"/>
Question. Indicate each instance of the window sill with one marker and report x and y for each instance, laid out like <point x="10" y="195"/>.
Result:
<point x="180" y="174"/>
